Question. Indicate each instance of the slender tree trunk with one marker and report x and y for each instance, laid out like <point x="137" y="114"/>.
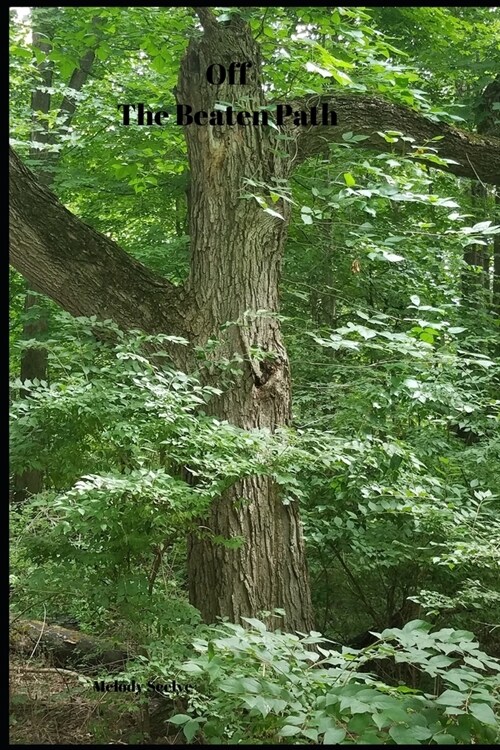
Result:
<point x="496" y="263"/>
<point x="476" y="271"/>
<point x="492" y="125"/>
<point x="476" y="274"/>
<point x="34" y="359"/>
<point x="33" y="365"/>
<point x="236" y="251"/>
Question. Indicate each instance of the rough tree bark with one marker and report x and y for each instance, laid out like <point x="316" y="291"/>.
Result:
<point x="477" y="156"/>
<point x="82" y="270"/>
<point x="236" y="253"/>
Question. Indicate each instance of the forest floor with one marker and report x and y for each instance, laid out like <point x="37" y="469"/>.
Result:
<point x="51" y="706"/>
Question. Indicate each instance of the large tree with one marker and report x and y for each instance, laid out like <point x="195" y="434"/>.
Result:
<point x="236" y="251"/>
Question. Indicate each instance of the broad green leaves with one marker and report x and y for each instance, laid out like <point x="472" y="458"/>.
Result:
<point x="272" y="691"/>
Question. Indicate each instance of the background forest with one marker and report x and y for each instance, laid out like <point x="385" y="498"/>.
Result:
<point x="389" y="300"/>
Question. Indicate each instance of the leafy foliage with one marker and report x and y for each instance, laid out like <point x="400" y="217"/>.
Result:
<point x="273" y="686"/>
<point x="390" y="299"/>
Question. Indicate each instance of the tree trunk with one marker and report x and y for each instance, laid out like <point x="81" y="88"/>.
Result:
<point x="34" y="359"/>
<point x="472" y="155"/>
<point x="236" y="251"/>
<point x="496" y="263"/>
<point x="476" y="273"/>
<point x="33" y="365"/>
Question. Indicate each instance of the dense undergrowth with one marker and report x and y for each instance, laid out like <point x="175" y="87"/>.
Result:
<point x="390" y="295"/>
<point x="106" y="549"/>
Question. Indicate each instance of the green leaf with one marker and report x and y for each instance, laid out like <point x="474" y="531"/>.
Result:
<point x="481" y="226"/>
<point x="262" y="705"/>
<point x="190" y="729"/>
<point x="451" y="698"/>
<point x="311" y="734"/>
<point x="444" y="739"/>
<point x="341" y="77"/>
<point x="409" y="735"/>
<point x="441" y="661"/>
<point x="349" y="179"/>
<point x="256" y="624"/>
<point x="313" y="68"/>
<point x="394" y="714"/>
<point x="334" y="736"/>
<point x="484" y="713"/>
<point x="180" y="719"/>
<point x="392" y="257"/>
<point x="297" y="720"/>
<point x="274" y="213"/>
<point x="288" y="730"/>
<point x="191" y="668"/>
<point x="251" y="684"/>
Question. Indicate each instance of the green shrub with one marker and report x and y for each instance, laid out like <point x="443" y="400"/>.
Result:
<point x="256" y="686"/>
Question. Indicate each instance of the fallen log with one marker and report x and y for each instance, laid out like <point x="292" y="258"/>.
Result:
<point x="64" y="646"/>
<point x="88" y="654"/>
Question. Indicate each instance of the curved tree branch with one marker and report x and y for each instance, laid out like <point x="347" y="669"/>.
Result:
<point x="82" y="270"/>
<point x="477" y="156"/>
